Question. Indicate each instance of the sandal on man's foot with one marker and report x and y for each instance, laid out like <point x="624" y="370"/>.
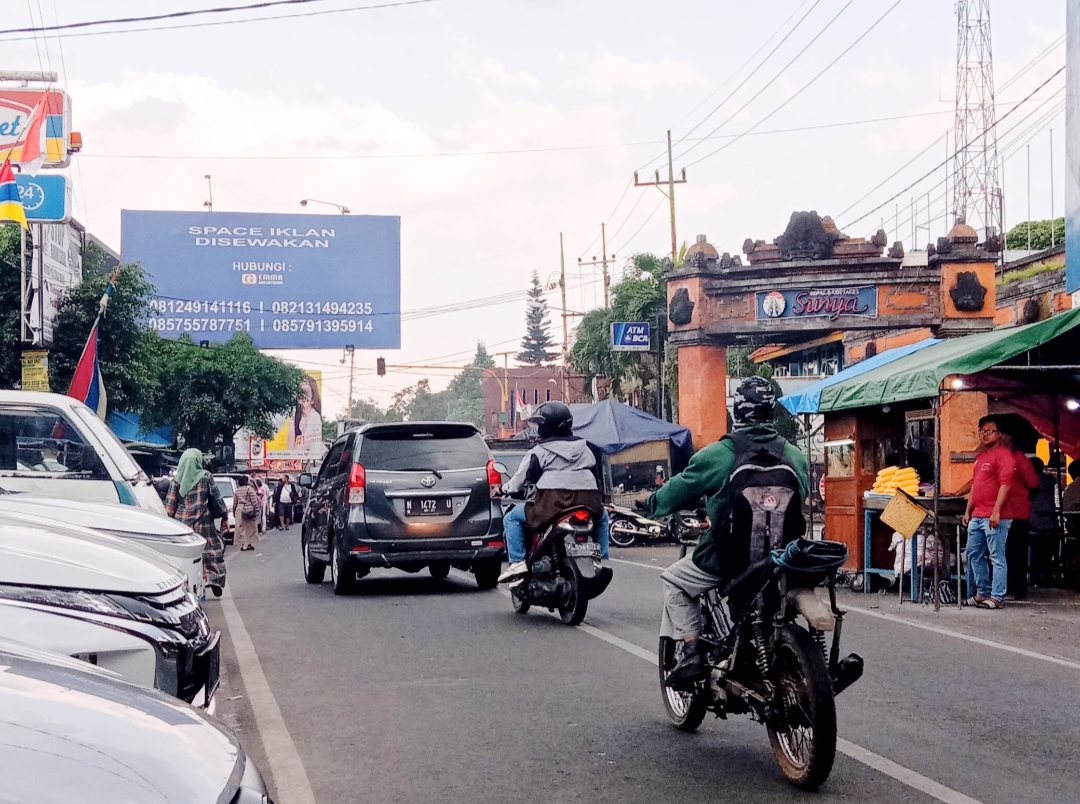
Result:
<point x="992" y="603"/>
<point x="976" y="601"/>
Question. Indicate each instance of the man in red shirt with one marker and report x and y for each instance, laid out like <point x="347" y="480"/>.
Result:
<point x="1017" y="509"/>
<point x="988" y="530"/>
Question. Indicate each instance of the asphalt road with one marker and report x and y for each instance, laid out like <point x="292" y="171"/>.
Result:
<point x="422" y="691"/>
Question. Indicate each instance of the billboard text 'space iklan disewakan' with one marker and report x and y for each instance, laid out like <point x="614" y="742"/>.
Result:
<point x="289" y="281"/>
<point x="630" y="336"/>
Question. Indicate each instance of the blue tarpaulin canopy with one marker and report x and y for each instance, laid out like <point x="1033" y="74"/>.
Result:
<point x="127" y="428"/>
<point x="808" y="400"/>
<point x="613" y="427"/>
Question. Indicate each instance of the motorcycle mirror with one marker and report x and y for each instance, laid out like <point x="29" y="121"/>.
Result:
<point x="501" y="468"/>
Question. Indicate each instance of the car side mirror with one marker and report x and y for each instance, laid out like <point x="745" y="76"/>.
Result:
<point x="306" y="480"/>
<point x="501" y="468"/>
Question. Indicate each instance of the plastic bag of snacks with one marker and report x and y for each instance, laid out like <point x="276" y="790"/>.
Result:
<point x="892" y="478"/>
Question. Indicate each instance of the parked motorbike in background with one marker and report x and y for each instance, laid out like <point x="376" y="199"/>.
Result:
<point x="629" y="527"/>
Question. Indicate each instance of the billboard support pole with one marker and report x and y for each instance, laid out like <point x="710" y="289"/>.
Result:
<point x="22" y="284"/>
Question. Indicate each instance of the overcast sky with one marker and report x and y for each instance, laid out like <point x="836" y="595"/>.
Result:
<point x="380" y="97"/>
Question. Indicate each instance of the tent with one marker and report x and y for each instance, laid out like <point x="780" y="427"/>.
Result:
<point x="128" y="429"/>
<point x="808" y="400"/>
<point x="615" y="427"/>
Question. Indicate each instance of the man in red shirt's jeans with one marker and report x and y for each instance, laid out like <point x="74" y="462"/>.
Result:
<point x="995" y="469"/>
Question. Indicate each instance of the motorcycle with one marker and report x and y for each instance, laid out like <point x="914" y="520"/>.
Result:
<point x="764" y="663"/>
<point x="564" y="568"/>
<point x="629" y="527"/>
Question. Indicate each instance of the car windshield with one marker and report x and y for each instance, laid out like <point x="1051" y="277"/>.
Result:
<point x="226" y="486"/>
<point x="129" y="469"/>
<point x="435" y="448"/>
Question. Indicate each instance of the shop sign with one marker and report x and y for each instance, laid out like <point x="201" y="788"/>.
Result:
<point x="16" y="104"/>
<point x="59" y="269"/>
<point x="46" y="198"/>
<point x="256" y="453"/>
<point x="35" y="370"/>
<point x="828" y="303"/>
<point x="630" y="336"/>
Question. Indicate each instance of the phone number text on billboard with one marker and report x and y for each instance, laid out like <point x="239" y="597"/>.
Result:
<point x="246" y="307"/>
<point x="181" y="325"/>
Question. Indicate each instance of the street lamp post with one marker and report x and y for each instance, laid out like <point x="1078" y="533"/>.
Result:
<point x="209" y="203"/>
<point x="344" y="210"/>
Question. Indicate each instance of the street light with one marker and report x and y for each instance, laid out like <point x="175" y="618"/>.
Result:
<point x="344" y="210"/>
<point x="209" y="204"/>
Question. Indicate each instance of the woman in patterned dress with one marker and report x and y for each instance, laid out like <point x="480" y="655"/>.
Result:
<point x="246" y="500"/>
<point x="193" y="499"/>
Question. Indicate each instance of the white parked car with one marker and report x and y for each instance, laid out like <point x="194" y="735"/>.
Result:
<point x="109" y="602"/>
<point x="173" y="539"/>
<point x="55" y="446"/>
<point x="226" y="486"/>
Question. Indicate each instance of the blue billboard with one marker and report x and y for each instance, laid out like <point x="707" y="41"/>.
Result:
<point x="630" y="336"/>
<point x="46" y="198"/>
<point x="1072" y="147"/>
<point x="290" y="281"/>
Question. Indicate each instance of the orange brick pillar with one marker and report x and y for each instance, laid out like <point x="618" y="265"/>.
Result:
<point x="960" y="414"/>
<point x="703" y="392"/>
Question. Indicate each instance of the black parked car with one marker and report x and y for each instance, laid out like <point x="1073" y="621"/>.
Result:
<point x="406" y="495"/>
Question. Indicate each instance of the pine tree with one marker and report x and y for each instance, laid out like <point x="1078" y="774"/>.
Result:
<point x="537" y="344"/>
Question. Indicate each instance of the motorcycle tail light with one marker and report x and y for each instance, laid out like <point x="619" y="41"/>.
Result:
<point x="579" y="516"/>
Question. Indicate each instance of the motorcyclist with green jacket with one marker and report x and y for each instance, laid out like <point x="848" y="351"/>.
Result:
<point x="708" y="474"/>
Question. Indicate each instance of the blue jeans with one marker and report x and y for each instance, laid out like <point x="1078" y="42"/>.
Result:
<point x="986" y="542"/>
<point x="514" y="533"/>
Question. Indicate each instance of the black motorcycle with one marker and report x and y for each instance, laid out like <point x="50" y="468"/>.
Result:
<point x="765" y="663"/>
<point x="629" y="527"/>
<point x="564" y="568"/>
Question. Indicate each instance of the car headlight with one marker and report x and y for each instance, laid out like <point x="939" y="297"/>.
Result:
<point x="64" y="599"/>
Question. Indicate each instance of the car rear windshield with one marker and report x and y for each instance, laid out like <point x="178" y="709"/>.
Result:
<point x="438" y="448"/>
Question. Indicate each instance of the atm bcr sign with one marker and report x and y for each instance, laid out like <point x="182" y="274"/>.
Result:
<point x="630" y="336"/>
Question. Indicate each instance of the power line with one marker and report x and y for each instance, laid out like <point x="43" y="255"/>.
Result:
<point x="207" y="24"/>
<point x="804" y="86"/>
<point x="635" y="234"/>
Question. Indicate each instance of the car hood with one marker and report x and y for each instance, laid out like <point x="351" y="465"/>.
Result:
<point x="79" y="558"/>
<point x="71" y="733"/>
<point x="109" y="517"/>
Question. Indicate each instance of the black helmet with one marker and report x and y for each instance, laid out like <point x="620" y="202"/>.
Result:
<point x="553" y="419"/>
<point x="755" y="401"/>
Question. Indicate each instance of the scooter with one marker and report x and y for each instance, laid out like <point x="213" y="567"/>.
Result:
<point x="630" y="527"/>
<point x="564" y="568"/>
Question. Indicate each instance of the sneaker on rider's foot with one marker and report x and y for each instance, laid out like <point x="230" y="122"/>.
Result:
<point x="516" y="570"/>
<point x="689" y="669"/>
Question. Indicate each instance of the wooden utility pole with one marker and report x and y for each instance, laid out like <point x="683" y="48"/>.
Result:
<point x="659" y="184"/>
<point x="562" y="286"/>
<point x="351" y="351"/>
<point x="602" y="262"/>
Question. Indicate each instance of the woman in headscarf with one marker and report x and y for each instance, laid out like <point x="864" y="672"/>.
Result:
<point x="193" y="499"/>
<point x="246" y="511"/>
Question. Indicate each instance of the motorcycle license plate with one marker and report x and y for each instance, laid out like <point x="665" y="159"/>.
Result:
<point x="583" y="550"/>
<point x="429" y="506"/>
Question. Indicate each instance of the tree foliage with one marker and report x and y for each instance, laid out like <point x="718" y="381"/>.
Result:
<point x="10" y="347"/>
<point x="1017" y="238"/>
<point x="536" y="346"/>
<point x="207" y="394"/>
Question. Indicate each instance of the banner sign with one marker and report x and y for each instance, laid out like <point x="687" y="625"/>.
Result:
<point x="1072" y="148"/>
<point x="59" y="268"/>
<point x="299" y="435"/>
<point x="289" y="281"/>
<point x="35" y="371"/>
<point x="816" y="303"/>
<point x="15" y="108"/>
<point x="630" y="336"/>
<point x="45" y="197"/>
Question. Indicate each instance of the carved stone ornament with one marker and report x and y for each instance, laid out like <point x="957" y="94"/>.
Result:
<point x="807" y="237"/>
<point x="968" y="294"/>
<point x="896" y="252"/>
<point x="1032" y="311"/>
<point x="681" y="309"/>
<point x="871" y="349"/>
<point x="944" y="245"/>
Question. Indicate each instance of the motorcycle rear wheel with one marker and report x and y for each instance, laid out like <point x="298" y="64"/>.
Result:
<point x="574" y="610"/>
<point x="685" y="710"/>
<point x="520" y="606"/>
<point x="622" y="533"/>
<point x="806" y="746"/>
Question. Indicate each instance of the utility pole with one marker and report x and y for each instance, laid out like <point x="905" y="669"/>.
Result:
<point x="602" y="262"/>
<point x="1029" y="195"/>
<point x="671" y="182"/>
<point x="562" y="286"/>
<point x="350" y="350"/>
<point x="1053" y="240"/>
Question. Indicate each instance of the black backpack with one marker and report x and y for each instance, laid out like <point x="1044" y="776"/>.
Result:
<point x="764" y="507"/>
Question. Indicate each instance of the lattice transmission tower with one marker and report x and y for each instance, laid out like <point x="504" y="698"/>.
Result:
<point x="976" y="188"/>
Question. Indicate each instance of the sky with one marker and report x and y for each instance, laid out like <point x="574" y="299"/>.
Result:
<point x="492" y="126"/>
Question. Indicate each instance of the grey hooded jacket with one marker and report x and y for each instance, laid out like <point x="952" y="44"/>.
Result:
<point x="559" y="463"/>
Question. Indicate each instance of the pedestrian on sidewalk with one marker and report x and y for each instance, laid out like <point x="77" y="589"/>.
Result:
<point x="987" y="529"/>
<point x="1017" y="509"/>
<point x="284" y="499"/>
<point x="194" y="499"/>
<point x="246" y="514"/>
<point x="1044" y="524"/>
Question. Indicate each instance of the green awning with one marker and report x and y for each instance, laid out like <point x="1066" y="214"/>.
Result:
<point x="919" y="375"/>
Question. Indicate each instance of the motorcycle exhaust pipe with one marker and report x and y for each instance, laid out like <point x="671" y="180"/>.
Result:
<point x="847" y="671"/>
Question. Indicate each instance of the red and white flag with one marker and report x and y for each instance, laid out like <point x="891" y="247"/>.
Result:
<point x="33" y="151"/>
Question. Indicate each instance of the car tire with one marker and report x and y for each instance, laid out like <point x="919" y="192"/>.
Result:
<point x="314" y="570"/>
<point x="487" y="573"/>
<point x="342" y="574"/>
<point x="439" y="570"/>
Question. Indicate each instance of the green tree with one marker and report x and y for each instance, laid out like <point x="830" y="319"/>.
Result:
<point x="207" y="394"/>
<point x="10" y="346"/>
<point x="465" y="393"/>
<point x="369" y="410"/>
<point x="1017" y="237"/>
<point x="125" y="346"/>
<point x="536" y="346"/>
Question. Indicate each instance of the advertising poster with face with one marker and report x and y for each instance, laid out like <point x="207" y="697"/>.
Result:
<point x="299" y="435"/>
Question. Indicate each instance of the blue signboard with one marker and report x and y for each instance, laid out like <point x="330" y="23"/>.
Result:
<point x="290" y="281"/>
<point x="630" y="336"/>
<point x="816" y="302"/>
<point x="1072" y="148"/>
<point x="45" y="197"/>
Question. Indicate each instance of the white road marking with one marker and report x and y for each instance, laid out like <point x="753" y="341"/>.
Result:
<point x="289" y="775"/>
<point x="967" y="637"/>
<point x="904" y="775"/>
<point x="988" y="643"/>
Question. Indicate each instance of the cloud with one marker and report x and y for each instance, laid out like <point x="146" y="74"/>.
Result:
<point x="496" y="71"/>
<point x="609" y="71"/>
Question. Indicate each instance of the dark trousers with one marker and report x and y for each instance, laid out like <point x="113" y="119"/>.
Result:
<point x="1016" y="556"/>
<point x="1043" y="549"/>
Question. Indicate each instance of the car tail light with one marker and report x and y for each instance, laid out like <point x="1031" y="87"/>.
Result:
<point x="361" y="549"/>
<point x="357" y="484"/>
<point x="495" y="544"/>
<point x="494" y="480"/>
